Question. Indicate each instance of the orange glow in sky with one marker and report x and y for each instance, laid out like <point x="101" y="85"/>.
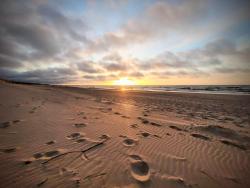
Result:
<point x="124" y="82"/>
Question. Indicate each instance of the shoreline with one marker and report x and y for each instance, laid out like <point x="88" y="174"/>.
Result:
<point x="162" y="91"/>
<point x="150" y="91"/>
<point x="137" y="88"/>
<point x="141" y="88"/>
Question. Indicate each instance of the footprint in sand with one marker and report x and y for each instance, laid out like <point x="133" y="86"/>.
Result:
<point x="47" y="154"/>
<point x="175" y="128"/>
<point x="80" y="125"/>
<point x="104" y="137"/>
<point x="26" y="161"/>
<point x="68" y="171"/>
<point x="16" y="121"/>
<point x="44" y="155"/>
<point x="5" y="124"/>
<point x="75" y="136"/>
<point x="156" y="124"/>
<point x="129" y="142"/>
<point x="139" y="169"/>
<point x="157" y="136"/>
<point x="134" y="126"/>
<point x="135" y="157"/>
<point x="80" y="140"/>
<point x="122" y="136"/>
<point x="51" y="153"/>
<point x="8" y="150"/>
<point x="51" y="142"/>
<point x="230" y="143"/>
<point x="145" y="134"/>
<point x="38" y="155"/>
<point x="9" y="123"/>
<point x="144" y="121"/>
<point x="200" y="136"/>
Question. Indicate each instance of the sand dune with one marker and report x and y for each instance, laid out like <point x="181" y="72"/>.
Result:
<point x="70" y="137"/>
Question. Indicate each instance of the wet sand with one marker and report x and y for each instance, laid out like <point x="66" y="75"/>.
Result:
<point x="55" y="136"/>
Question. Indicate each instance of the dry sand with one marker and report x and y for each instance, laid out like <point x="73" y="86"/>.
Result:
<point x="69" y="137"/>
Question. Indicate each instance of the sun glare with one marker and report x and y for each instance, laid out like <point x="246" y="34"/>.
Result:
<point x="124" y="82"/>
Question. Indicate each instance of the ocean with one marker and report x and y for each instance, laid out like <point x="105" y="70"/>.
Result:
<point x="209" y="89"/>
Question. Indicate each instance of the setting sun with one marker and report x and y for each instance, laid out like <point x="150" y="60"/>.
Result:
<point x="124" y="82"/>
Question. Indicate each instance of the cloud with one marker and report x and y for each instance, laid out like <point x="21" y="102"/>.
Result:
<point x="136" y="74"/>
<point x="195" y="73"/>
<point x="88" y="67"/>
<point x="219" y="47"/>
<point x="9" y="62"/>
<point x="215" y="56"/>
<point x="38" y="35"/>
<point x="113" y="57"/>
<point x="48" y="76"/>
<point x="116" y="67"/>
<point x="33" y="31"/>
<point x="72" y="27"/>
<point x="102" y="77"/>
<point x="222" y="51"/>
<point x="185" y="20"/>
<point x="35" y="34"/>
<point x="232" y="70"/>
<point x="157" y="20"/>
<point x="113" y="62"/>
<point x="39" y="40"/>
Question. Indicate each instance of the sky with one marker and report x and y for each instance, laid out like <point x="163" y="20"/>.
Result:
<point x="142" y="42"/>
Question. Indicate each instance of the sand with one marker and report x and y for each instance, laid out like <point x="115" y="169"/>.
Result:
<point x="56" y="136"/>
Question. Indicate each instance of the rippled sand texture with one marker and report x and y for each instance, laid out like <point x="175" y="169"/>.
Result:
<point x="68" y="137"/>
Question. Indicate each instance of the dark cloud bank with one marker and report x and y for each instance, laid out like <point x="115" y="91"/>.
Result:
<point x="32" y="32"/>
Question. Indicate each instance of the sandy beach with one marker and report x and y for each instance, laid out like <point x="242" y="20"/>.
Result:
<point x="57" y="136"/>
